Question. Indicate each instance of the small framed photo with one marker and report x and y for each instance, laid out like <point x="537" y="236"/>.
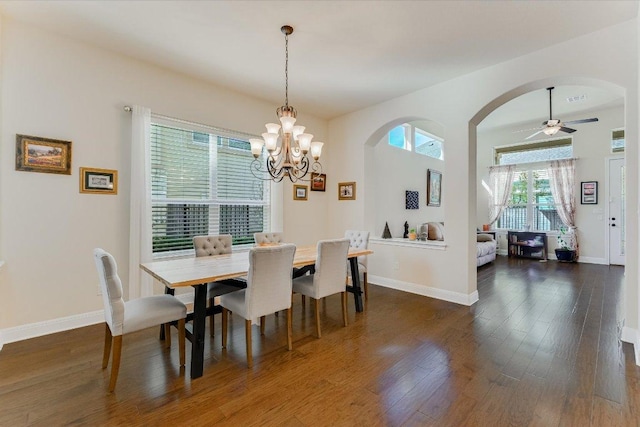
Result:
<point x="35" y="154"/>
<point x="318" y="182"/>
<point x="589" y="193"/>
<point x="300" y="192"/>
<point x="346" y="191"/>
<point x="98" y="181"/>
<point x="434" y="187"/>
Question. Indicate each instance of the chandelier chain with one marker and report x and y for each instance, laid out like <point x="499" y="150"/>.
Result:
<point x="286" y="70"/>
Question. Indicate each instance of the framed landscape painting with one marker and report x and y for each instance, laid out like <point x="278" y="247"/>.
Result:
<point x="35" y="154"/>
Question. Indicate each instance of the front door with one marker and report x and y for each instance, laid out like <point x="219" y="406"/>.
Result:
<point x="616" y="211"/>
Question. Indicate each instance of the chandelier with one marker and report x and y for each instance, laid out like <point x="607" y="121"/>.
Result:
<point x="287" y="145"/>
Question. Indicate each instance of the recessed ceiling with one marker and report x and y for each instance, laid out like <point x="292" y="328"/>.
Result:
<point x="344" y="55"/>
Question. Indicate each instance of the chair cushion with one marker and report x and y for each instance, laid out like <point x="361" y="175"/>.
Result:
<point x="151" y="311"/>
<point x="234" y="301"/>
<point x="304" y="285"/>
<point x="485" y="237"/>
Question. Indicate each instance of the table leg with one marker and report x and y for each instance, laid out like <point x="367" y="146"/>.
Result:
<point x="199" y="320"/>
<point x="355" y="282"/>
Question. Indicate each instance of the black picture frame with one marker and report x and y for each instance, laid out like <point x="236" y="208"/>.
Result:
<point x="589" y="193"/>
<point x="434" y="187"/>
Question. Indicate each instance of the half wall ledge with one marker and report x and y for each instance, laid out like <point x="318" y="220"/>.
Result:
<point x="422" y="244"/>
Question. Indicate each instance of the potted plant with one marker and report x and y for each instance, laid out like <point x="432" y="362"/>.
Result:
<point x="412" y="234"/>
<point x="565" y="252"/>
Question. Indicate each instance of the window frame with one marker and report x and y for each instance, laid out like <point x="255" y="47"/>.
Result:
<point x="409" y="145"/>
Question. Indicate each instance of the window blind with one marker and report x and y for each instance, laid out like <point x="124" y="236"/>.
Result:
<point x="201" y="184"/>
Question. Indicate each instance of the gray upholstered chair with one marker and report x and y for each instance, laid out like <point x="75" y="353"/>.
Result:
<point x="216" y="245"/>
<point x="360" y="240"/>
<point x="268" y="291"/>
<point x="328" y="279"/>
<point x="263" y="239"/>
<point x="123" y="317"/>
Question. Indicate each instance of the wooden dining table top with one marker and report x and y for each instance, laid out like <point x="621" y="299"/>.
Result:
<point x="176" y="273"/>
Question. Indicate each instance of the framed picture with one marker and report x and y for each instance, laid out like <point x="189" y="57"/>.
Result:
<point x="318" y="182"/>
<point x="35" y="154"/>
<point x="346" y="191"/>
<point x="98" y="181"/>
<point x="300" y="192"/>
<point x="434" y="187"/>
<point x="589" y="193"/>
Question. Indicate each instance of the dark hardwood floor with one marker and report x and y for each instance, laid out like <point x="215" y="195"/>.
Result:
<point x="540" y="348"/>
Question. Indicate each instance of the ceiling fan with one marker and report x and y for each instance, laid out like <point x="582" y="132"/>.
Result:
<point x="553" y="126"/>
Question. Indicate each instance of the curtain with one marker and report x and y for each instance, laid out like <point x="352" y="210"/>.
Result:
<point x="500" y="182"/>
<point x="562" y="183"/>
<point x="140" y="283"/>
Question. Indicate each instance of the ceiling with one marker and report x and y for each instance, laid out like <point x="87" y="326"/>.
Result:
<point x="344" y="55"/>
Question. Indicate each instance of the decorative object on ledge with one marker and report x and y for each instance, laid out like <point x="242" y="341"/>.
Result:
<point x="434" y="187"/>
<point x="589" y="193"/>
<point x="412" y="234"/>
<point x="411" y="200"/>
<point x="98" y="181"/>
<point x="290" y="157"/>
<point x="300" y="192"/>
<point x="406" y="230"/>
<point x="318" y="181"/>
<point x="35" y="154"/>
<point x="346" y="191"/>
<point x="386" y="234"/>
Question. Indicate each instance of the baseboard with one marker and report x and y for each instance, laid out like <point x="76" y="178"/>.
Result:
<point x="38" y="329"/>
<point x="632" y="336"/>
<point x="592" y="260"/>
<point x="442" y="294"/>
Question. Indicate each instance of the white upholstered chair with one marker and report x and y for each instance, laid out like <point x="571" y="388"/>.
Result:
<point x="216" y="245"/>
<point x="123" y="317"/>
<point x="268" y="291"/>
<point x="328" y="279"/>
<point x="360" y="240"/>
<point x="263" y="239"/>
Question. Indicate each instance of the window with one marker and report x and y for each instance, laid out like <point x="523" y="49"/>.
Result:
<point x="202" y="184"/>
<point x="617" y="141"/>
<point x="411" y="138"/>
<point x="535" y="152"/>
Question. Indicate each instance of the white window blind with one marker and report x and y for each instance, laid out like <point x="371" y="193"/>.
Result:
<point x="202" y="184"/>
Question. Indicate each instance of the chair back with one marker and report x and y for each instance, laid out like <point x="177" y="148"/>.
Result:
<point x="268" y="238"/>
<point x="269" y="279"/>
<point x="111" y="287"/>
<point x="331" y="267"/>
<point x="360" y="240"/>
<point x="212" y="245"/>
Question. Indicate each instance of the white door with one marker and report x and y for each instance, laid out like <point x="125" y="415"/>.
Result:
<point x="616" y="220"/>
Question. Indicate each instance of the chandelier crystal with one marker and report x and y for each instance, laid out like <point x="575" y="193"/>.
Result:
<point x="287" y="145"/>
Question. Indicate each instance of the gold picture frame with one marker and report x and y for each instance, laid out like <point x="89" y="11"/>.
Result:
<point x="36" y="154"/>
<point x="300" y="192"/>
<point x="318" y="181"/>
<point x="98" y="181"/>
<point x="346" y="191"/>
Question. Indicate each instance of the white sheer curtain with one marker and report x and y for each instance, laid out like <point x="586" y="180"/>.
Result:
<point x="500" y="183"/>
<point x="562" y="175"/>
<point x="140" y="249"/>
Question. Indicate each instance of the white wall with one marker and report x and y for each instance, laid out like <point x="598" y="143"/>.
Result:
<point x="459" y="105"/>
<point x="592" y="147"/>
<point x="59" y="88"/>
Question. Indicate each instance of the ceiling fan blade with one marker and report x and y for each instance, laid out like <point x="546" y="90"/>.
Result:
<point x="575" y="122"/>
<point x="531" y="136"/>
<point x="567" y="130"/>
<point x="525" y="130"/>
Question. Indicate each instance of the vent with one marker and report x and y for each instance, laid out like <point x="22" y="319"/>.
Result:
<point x="577" y="98"/>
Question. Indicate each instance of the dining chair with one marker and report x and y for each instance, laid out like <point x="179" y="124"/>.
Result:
<point x="263" y="239"/>
<point x="268" y="291"/>
<point x="328" y="279"/>
<point x="359" y="240"/>
<point x="123" y="317"/>
<point x="217" y="245"/>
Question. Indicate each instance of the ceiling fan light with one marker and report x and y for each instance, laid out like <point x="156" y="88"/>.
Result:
<point x="552" y="130"/>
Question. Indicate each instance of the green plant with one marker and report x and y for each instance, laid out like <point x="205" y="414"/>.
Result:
<point x="413" y="230"/>
<point x="565" y="240"/>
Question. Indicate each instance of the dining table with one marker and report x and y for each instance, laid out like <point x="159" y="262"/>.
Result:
<point x="198" y="271"/>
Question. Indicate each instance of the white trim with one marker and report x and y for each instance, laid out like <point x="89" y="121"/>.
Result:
<point x="592" y="260"/>
<point x="632" y="336"/>
<point x="38" y="329"/>
<point x="421" y="244"/>
<point x="426" y="291"/>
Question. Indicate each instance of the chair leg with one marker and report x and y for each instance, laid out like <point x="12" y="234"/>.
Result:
<point x="365" y="285"/>
<point x="225" y="321"/>
<point x="317" y="307"/>
<point x="181" y="340"/>
<point x="344" y="308"/>
<point x="212" y="320"/>
<point x="115" y="363"/>
<point x="247" y="326"/>
<point x="107" y="346"/>
<point x="262" y="325"/>
<point x="167" y="335"/>
<point x="289" y="330"/>
<point x="304" y="300"/>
